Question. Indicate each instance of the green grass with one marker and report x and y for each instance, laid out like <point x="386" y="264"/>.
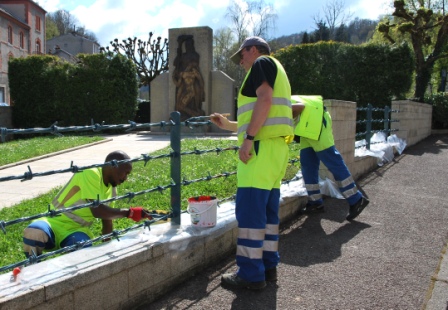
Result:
<point x="155" y="173"/>
<point x="21" y="149"/>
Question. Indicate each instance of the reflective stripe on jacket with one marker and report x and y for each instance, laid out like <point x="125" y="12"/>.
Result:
<point x="279" y="121"/>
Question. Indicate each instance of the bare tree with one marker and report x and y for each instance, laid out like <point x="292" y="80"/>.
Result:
<point x="335" y="14"/>
<point x="82" y="31"/>
<point x="239" y="19"/>
<point x="65" y="22"/>
<point x="247" y="18"/>
<point x="251" y="18"/>
<point x="150" y="57"/>
<point x="263" y="18"/>
<point x="222" y="49"/>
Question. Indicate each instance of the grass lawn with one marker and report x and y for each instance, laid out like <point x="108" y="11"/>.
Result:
<point x="155" y="173"/>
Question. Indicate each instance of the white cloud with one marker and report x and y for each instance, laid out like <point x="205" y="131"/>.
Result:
<point x="110" y="19"/>
<point x="371" y="9"/>
<point x="49" y="5"/>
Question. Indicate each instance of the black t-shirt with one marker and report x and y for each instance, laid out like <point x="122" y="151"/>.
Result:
<point x="263" y="69"/>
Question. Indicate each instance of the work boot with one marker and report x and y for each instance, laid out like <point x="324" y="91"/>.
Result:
<point x="357" y="208"/>
<point x="312" y="208"/>
<point x="271" y="274"/>
<point x="232" y="280"/>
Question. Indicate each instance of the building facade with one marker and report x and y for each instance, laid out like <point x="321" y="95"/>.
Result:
<point x="67" y="46"/>
<point x="22" y="33"/>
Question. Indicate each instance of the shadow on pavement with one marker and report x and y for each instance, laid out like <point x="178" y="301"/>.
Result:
<point x="319" y="238"/>
<point x="433" y="145"/>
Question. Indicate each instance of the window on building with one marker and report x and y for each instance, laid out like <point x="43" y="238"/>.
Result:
<point x="2" y="95"/>
<point x="38" y="22"/>
<point x="22" y="40"/>
<point x="9" y="34"/>
<point x="38" y="51"/>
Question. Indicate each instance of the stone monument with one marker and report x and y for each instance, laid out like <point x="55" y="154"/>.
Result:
<point x="191" y="86"/>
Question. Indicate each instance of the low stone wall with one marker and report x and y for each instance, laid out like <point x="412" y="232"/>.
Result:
<point x="414" y="125"/>
<point x="144" y="265"/>
<point x="414" y="120"/>
<point x="124" y="274"/>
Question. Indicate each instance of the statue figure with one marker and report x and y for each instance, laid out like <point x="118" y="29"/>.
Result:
<point x="188" y="79"/>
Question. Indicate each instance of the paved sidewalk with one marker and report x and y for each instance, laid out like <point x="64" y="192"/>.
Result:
<point x="392" y="257"/>
<point x="12" y="192"/>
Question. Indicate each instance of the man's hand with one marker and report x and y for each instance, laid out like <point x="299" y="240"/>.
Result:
<point x="222" y="122"/>
<point x="245" y="150"/>
<point x="138" y="213"/>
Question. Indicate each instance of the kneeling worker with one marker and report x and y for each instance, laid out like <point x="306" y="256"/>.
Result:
<point x="69" y="228"/>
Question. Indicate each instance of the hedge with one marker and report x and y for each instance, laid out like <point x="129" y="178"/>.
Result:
<point x="45" y="89"/>
<point x="364" y="74"/>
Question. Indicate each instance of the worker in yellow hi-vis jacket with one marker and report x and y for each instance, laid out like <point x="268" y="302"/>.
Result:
<point x="264" y="121"/>
<point x="317" y="144"/>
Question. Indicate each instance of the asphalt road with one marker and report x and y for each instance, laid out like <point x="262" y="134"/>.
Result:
<point x="388" y="259"/>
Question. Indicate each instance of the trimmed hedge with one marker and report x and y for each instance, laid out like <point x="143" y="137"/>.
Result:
<point x="362" y="73"/>
<point x="45" y="89"/>
<point x="439" y="104"/>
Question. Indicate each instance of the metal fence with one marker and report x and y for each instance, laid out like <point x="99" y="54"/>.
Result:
<point x="370" y="122"/>
<point x="175" y="170"/>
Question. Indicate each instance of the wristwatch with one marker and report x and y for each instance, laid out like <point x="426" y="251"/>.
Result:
<point x="248" y="137"/>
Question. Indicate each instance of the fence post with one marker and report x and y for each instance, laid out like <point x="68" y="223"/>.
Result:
<point x="175" y="167"/>
<point x="369" y="125"/>
<point x="387" y="118"/>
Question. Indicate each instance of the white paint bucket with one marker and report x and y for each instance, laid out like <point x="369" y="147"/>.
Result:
<point x="203" y="211"/>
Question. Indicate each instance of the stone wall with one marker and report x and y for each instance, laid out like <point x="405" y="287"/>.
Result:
<point x="414" y="125"/>
<point x="415" y="120"/>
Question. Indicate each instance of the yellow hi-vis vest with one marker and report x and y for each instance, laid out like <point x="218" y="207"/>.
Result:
<point x="82" y="187"/>
<point x="310" y="123"/>
<point x="279" y="121"/>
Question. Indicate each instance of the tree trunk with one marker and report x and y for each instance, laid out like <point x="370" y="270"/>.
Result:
<point x="422" y="78"/>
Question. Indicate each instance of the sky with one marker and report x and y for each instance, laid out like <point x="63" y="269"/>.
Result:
<point x="110" y="19"/>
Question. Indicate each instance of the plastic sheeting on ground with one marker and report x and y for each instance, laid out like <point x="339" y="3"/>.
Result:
<point x="380" y="147"/>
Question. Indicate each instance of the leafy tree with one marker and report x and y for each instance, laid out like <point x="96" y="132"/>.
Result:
<point x="51" y="30"/>
<point x="305" y="38"/>
<point x="322" y="33"/>
<point x="150" y="57"/>
<point x="361" y="30"/>
<point x="341" y="34"/>
<point x="425" y="24"/>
